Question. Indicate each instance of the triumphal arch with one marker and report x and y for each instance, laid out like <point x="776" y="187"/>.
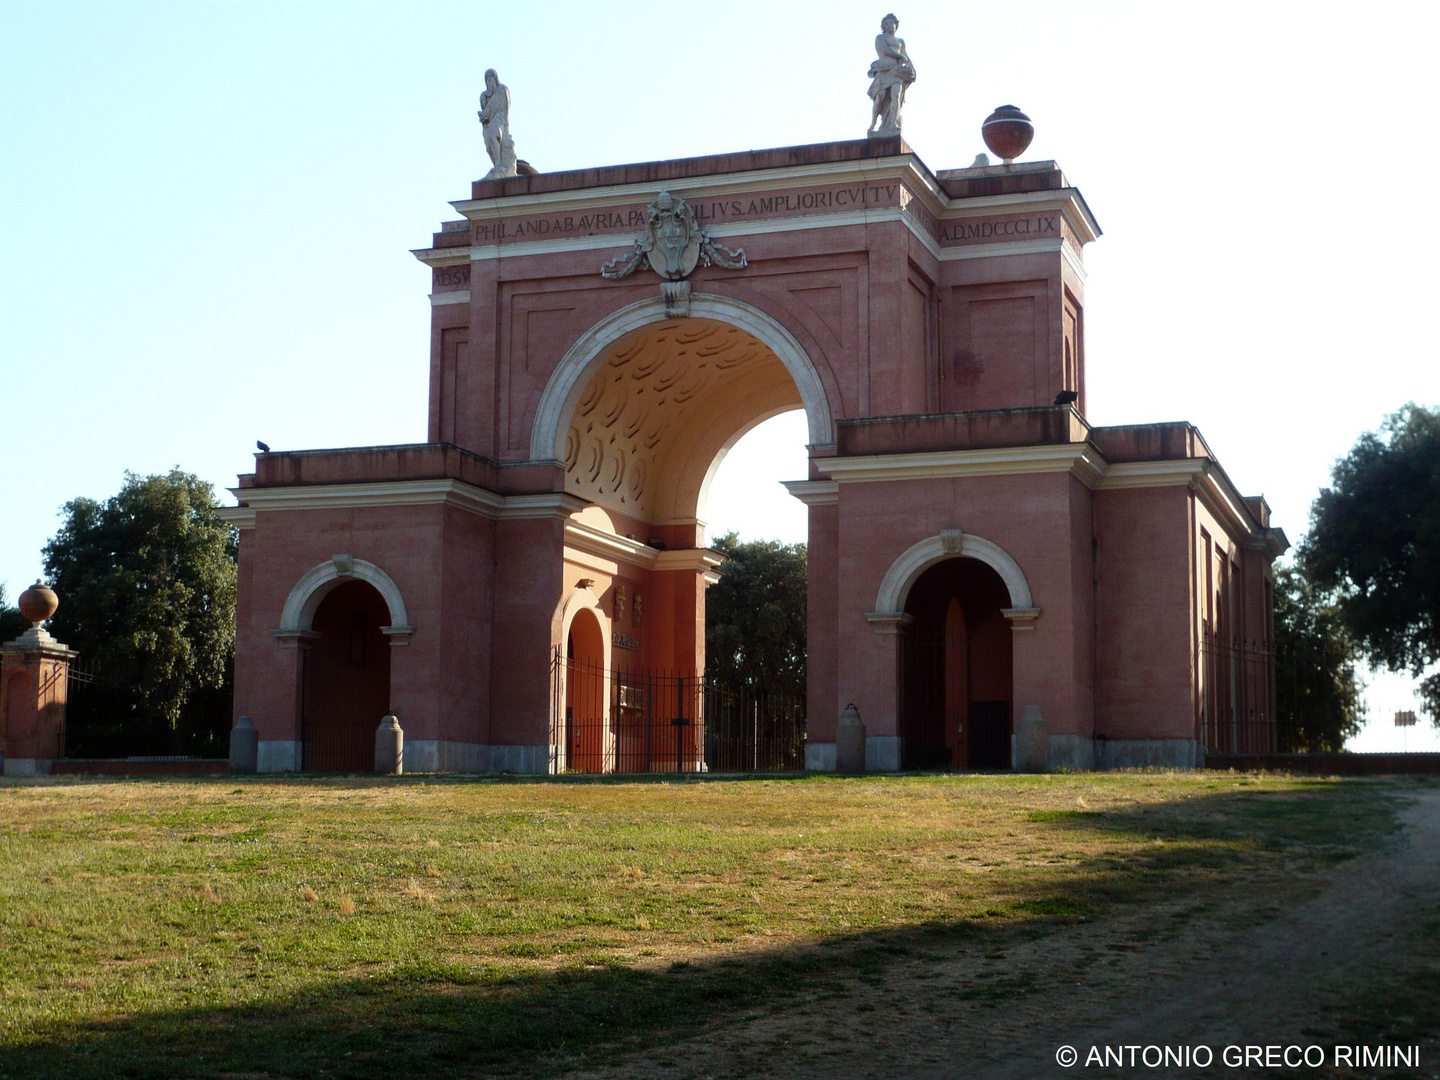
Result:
<point x="981" y="558"/>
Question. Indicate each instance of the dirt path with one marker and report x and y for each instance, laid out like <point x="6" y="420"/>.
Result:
<point x="1253" y="969"/>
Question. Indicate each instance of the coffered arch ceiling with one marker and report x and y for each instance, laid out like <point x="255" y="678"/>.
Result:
<point x="667" y="403"/>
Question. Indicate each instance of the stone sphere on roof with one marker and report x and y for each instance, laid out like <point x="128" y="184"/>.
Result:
<point x="1007" y="132"/>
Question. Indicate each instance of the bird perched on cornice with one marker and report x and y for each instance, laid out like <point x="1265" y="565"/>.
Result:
<point x="1066" y="397"/>
<point x="262" y="447"/>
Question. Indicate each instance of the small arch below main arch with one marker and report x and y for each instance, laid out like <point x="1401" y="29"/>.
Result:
<point x="298" y="615"/>
<point x="951" y="544"/>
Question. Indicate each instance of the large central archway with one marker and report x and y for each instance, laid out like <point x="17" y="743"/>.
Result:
<point x="648" y="414"/>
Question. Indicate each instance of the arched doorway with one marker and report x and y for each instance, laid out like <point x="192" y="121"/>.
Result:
<point x="346" y="679"/>
<point x="587" y="734"/>
<point x="956" y="669"/>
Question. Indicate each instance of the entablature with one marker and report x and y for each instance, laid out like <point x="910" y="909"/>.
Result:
<point x="827" y="185"/>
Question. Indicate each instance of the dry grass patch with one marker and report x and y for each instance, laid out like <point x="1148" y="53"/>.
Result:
<point x="542" y="881"/>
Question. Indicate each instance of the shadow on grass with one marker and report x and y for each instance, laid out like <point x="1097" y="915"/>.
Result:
<point x="432" y="1020"/>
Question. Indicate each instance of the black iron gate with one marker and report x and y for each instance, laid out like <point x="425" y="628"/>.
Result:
<point x="926" y="717"/>
<point x="636" y="721"/>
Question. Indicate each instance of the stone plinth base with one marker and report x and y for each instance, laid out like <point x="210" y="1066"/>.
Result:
<point x="446" y="755"/>
<point x="819" y="757"/>
<point x="882" y="753"/>
<point x="1148" y="754"/>
<point x="28" y="766"/>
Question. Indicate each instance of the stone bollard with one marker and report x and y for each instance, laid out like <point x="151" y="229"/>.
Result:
<point x="850" y="742"/>
<point x="1032" y="742"/>
<point x="389" y="747"/>
<point x="244" y="746"/>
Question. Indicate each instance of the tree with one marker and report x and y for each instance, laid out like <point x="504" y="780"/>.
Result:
<point x="12" y="623"/>
<point x="755" y="616"/>
<point x="1375" y="543"/>
<point x="1317" y="689"/>
<point x="146" y="582"/>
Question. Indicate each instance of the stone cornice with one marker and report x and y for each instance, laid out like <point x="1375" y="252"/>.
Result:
<point x="698" y="560"/>
<point x="814" y="492"/>
<point x="1079" y="459"/>
<point x="1201" y="475"/>
<point x="242" y="517"/>
<point x="446" y="492"/>
<point x="906" y="168"/>
<point x="900" y="166"/>
<point x="609" y="545"/>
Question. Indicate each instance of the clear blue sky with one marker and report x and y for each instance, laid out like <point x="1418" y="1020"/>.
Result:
<point x="207" y="208"/>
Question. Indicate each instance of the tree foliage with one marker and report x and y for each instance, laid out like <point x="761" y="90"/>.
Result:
<point x="755" y="616"/>
<point x="1375" y="542"/>
<point x="146" y="581"/>
<point x="12" y="623"/>
<point x="1317" y="688"/>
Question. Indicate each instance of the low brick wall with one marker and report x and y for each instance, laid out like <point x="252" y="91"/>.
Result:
<point x="1328" y="764"/>
<point x="126" y="767"/>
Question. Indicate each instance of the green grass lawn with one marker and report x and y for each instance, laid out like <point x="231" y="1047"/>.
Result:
<point x="319" y="926"/>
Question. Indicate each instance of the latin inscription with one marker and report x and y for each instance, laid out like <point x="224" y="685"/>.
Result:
<point x="451" y="277"/>
<point x="916" y="211"/>
<point x="710" y="212"/>
<point x="1025" y="228"/>
<point x="625" y="641"/>
<point x="628" y="222"/>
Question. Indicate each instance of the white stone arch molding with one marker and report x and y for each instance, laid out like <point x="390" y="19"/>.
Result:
<point x="571" y="376"/>
<point x="316" y="583"/>
<point x="582" y="598"/>
<point x="895" y="587"/>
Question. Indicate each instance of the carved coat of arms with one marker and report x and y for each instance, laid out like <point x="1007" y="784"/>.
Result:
<point x="674" y="243"/>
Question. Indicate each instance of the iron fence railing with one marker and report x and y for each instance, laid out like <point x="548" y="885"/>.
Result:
<point x="1236" y="700"/>
<point x="606" y="720"/>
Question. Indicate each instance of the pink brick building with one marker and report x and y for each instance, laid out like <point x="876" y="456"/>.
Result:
<point x="975" y="549"/>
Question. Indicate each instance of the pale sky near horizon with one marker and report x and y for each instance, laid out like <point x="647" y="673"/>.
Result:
<point x="208" y="210"/>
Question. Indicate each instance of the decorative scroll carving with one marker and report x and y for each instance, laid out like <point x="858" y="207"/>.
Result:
<point x="674" y="243"/>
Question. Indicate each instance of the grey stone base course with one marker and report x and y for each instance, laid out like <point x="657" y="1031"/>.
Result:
<point x="819" y="757"/>
<point x="529" y="760"/>
<point x="1086" y="754"/>
<point x="445" y="755"/>
<point x="1071" y="752"/>
<point x="1149" y="754"/>
<point x="882" y="753"/>
<point x="279" y="755"/>
<point x="425" y="756"/>
<point x="27" y="766"/>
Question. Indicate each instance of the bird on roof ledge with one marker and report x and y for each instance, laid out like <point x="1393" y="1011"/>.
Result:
<point x="264" y="448"/>
<point x="1066" y="397"/>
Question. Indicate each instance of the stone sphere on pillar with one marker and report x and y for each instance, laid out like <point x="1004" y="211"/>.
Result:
<point x="38" y="603"/>
<point x="1007" y="132"/>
